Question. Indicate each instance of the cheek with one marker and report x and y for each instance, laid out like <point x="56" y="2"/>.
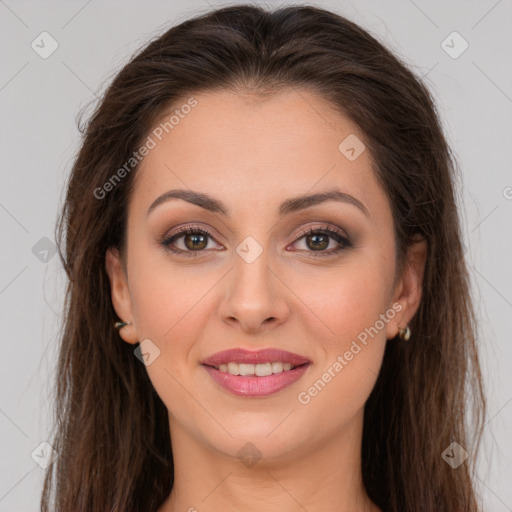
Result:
<point x="350" y="299"/>
<point x="356" y="312"/>
<point x="170" y="309"/>
<point x="165" y="299"/>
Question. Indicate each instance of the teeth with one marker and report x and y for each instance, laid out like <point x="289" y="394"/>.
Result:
<point x="260" y="370"/>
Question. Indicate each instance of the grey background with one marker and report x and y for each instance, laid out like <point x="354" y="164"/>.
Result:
<point x="40" y="98"/>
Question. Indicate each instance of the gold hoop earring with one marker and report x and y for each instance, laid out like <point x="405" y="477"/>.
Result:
<point x="404" y="334"/>
<point x="119" y="325"/>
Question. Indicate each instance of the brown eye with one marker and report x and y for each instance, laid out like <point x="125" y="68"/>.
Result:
<point x="195" y="240"/>
<point x="318" y="240"/>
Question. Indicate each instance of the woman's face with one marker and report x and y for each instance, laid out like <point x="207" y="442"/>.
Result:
<point x="259" y="279"/>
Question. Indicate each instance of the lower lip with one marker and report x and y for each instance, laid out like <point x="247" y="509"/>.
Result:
<point x="256" y="386"/>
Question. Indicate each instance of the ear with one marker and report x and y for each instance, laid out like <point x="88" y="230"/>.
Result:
<point x="409" y="288"/>
<point x="120" y="293"/>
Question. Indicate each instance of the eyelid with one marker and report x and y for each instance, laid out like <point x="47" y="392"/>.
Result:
<point x="324" y="227"/>
<point x="189" y="227"/>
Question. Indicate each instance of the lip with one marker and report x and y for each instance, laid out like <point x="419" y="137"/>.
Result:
<point x="256" y="386"/>
<point x="268" y="355"/>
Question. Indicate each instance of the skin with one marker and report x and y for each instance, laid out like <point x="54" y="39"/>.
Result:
<point x="252" y="155"/>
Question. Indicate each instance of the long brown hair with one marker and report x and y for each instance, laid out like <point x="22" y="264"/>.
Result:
<point x="111" y="428"/>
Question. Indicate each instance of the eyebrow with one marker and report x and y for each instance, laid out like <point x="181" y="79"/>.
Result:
<point x="291" y="205"/>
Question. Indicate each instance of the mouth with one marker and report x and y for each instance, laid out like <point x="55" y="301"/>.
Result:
<point x="243" y="380"/>
<point x="258" y="373"/>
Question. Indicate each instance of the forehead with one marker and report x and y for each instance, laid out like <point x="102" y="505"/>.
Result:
<point x="245" y="149"/>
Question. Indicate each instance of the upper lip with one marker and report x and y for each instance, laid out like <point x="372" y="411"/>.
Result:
<point x="268" y="355"/>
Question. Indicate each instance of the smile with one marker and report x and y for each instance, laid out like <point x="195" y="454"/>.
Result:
<point x="259" y="370"/>
<point x="256" y="380"/>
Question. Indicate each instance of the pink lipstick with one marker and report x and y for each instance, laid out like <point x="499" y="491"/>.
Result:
<point x="255" y="373"/>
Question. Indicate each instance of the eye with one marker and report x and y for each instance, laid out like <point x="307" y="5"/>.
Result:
<point x="318" y="239"/>
<point x="195" y="239"/>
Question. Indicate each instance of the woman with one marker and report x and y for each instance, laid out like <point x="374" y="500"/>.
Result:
<point x="268" y="305"/>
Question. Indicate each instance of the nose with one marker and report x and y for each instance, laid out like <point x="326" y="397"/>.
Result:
<point x="255" y="297"/>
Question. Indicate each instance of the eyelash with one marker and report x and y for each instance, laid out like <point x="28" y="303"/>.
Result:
<point x="324" y="230"/>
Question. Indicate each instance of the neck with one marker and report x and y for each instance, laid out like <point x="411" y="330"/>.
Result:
<point x="316" y="477"/>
